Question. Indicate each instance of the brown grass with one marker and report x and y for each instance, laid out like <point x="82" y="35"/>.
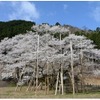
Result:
<point x="92" y="81"/>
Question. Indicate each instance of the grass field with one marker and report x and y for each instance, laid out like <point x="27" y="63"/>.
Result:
<point x="8" y="92"/>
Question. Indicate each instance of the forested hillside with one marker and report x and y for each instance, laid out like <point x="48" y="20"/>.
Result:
<point x="93" y="35"/>
<point x="15" y="27"/>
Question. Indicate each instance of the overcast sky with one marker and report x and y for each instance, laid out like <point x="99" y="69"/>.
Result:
<point x="73" y="13"/>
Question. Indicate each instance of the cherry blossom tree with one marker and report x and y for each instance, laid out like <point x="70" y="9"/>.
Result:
<point x="45" y="54"/>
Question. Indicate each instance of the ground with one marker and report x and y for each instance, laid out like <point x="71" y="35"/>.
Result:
<point x="8" y="92"/>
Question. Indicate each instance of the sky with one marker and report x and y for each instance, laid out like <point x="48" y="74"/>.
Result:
<point x="82" y="14"/>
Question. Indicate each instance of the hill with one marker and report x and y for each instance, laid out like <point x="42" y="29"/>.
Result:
<point x="14" y="27"/>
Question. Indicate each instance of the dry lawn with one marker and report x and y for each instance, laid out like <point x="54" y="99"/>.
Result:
<point x="8" y="92"/>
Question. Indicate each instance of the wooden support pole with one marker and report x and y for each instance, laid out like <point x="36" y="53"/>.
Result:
<point x="16" y="87"/>
<point x="47" y="79"/>
<point x="61" y="69"/>
<point x="60" y="78"/>
<point x="37" y="69"/>
<point x="72" y="69"/>
<point x="82" y="79"/>
<point x="47" y="63"/>
<point x="33" y="87"/>
<point x="20" y="78"/>
<point x="62" y="91"/>
<point x="29" y="85"/>
<point x="57" y="83"/>
<point x="45" y="86"/>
